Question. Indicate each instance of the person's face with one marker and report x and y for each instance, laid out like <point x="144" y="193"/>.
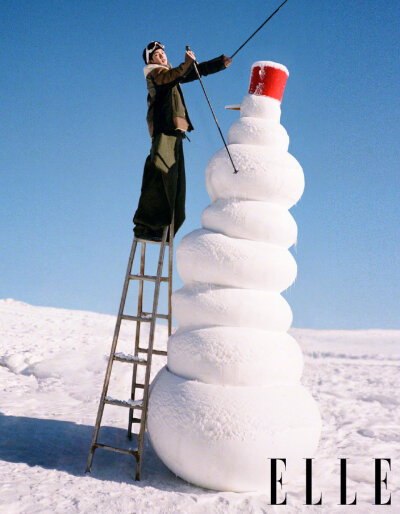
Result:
<point x="159" y="57"/>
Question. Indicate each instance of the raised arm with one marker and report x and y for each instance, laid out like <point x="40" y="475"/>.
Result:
<point x="208" y="67"/>
<point x="164" y="77"/>
<point x="185" y="72"/>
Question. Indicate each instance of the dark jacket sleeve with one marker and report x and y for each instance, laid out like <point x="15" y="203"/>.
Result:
<point x="171" y="77"/>
<point x="205" y="68"/>
<point x="185" y="72"/>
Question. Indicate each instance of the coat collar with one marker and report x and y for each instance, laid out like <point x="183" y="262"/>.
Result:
<point x="150" y="67"/>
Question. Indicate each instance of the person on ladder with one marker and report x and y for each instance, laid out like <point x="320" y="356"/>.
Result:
<point x="163" y="185"/>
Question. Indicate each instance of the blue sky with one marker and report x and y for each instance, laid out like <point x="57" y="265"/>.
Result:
<point x="74" y="140"/>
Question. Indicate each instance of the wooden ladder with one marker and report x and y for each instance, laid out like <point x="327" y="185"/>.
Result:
<point x="142" y="356"/>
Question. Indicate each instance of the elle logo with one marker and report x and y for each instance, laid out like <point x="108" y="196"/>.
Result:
<point x="343" y="489"/>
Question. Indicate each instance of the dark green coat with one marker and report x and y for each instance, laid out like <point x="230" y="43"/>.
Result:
<point x="165" y="99"/>
<point x="164" y="183"/>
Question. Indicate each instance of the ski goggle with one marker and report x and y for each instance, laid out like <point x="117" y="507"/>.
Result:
<point x="151" y="47"/>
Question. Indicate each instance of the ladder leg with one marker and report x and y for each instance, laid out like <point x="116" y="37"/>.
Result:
<point x="149" y="354"/>
<point x="137" y="336"/>
<point x="110" y="360"/>
<point x="170" y="269"/>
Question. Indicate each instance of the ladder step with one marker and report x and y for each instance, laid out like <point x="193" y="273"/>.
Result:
<point x="150" y="278"/>
<point x="122" y="357"/>
<point x="135" y="453"/>
<point x="149" y="241"/>
<point x="155" y="352"/>
<point x="160" y="316"/>
<point x="136" y="404"/>
<point x="136" y="420"/>
<point x="139" y="386"/>
<point x="146" y="317"/>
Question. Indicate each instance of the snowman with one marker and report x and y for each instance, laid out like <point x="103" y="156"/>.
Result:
<point x="230" y="397"/>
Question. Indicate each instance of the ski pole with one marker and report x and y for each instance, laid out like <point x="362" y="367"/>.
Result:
<point x="212" y="111"/>
<point x="260" y="27"/>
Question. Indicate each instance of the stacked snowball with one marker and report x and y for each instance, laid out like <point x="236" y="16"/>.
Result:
<point x="230" y="397"/>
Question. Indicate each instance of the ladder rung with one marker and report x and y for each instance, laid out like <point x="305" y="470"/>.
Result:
<point x="149" y="241"/>
<point x="151" y="278"/>
<point x="155" y="352"/>
<point x="122" y="357"/>
<point x="139" y="386"/>
<point x="131" y="404"/>
<point x="135" y="453"/>
<point x="145" y="317"/>
<point x="136" y="420"/>
<point x="161" y="316"/>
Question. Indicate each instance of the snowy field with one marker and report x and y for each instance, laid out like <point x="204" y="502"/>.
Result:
<point x="52" y="364"/>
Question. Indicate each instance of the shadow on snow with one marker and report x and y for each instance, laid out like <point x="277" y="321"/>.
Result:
<point x="64" y="446"/>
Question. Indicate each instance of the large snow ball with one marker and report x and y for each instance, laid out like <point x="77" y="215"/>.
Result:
<point x="247" y="219"/>
<point x="235" y="356"/>
<point x="257" y="131"/>
<point x="258" y="106"/>
<point x="222" y="437"/>
<point x="205" y="305"/>
<point x="204" y="256"/>
<point x="261" y="176"/>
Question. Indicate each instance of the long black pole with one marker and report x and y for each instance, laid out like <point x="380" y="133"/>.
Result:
<point x="259" y="28"/>
<point x="212" y="111"/>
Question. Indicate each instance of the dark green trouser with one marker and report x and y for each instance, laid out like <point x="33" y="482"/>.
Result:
<point x="163" y="185"/>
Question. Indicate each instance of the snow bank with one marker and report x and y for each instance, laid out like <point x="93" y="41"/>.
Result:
<point x="47" y="420"/>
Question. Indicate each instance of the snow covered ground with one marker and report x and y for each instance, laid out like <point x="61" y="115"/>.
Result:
<point x="52" y="364"/>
